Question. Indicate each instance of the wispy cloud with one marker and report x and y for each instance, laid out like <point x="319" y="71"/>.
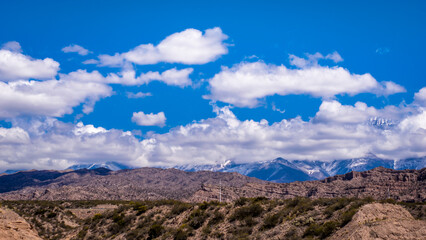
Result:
<point x="138" y="95"/>
<point x="74" y="48"/>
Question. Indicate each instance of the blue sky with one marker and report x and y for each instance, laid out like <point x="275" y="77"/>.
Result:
<point x="244" y="62"/>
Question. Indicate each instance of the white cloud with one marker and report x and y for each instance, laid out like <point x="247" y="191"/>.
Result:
<point x="12" y="46"/>
<point x="336" y="135"/>
<point x="74" y="48"/>
<point x="13" y="135"/>
<point x="51" y="144"/>
<point x="336" y="113"/>
<point x="246" y="83"/>
<point x="312" y="59"/>
<point x="420" y="97"/>
<point x="138" y="95"/>
<point x="151" y="119"/>
<point x="190" y="46"/>
<point x="81" y="129"/>
<point x="91" y="61"/>
<point x="48" y="98"/>
<point x="128" y="77"/>
<point x="16" y="66"/>
<point x="336" y="132"/>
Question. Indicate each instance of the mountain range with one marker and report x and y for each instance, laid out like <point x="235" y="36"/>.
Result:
<point x="157" y="183"/>
<point x="282" y="171"/>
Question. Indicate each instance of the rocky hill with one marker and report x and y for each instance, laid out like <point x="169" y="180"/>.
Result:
<point x="244" y="218"/>
<point x="155" y="183"/>
<point x="382" y="221"/>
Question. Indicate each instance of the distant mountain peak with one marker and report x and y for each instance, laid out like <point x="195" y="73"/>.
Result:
<point x="113" y="166"/>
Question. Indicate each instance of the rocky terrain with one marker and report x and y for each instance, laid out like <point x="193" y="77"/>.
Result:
<point x="13" y="226"/>
<point x="244" y="218"/>
<point x="154" y="183"/>
<point x="382" y="221"/>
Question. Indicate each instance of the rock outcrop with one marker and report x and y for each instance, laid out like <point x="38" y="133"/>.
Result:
<point x="382" y="221"/>
<point x="12" y="226"/>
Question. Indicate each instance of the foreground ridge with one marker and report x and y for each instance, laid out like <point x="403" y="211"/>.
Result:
<point x="244" y="218"/>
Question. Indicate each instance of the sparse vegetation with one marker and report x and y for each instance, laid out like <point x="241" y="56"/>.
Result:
<point x="245" y="218"/>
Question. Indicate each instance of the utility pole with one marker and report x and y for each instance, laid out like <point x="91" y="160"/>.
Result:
<point x="220" y="190"/>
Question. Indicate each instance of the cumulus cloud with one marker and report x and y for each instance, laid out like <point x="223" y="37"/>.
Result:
<point x="190" y="46"/>
<point x="51" y="144"/>
<point x="329" y="135"/>
<point x="15" y="135"/>
<point x="74" y="48"/>
<point x="49" y="98"/>
<point x="246" y="83"/>
<point x="337" y="131"/>
<point x="420" y="97"/>
<point x="128" y="77"/>
<point x="17" y="66"/>
<point x="151" y="119"/>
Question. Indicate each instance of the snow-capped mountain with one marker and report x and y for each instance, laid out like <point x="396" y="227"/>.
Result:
<point x="114" y="166"/>
<point x="282" y="170"/>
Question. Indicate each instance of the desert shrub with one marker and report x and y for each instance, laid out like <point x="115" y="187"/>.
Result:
<point x="118" y="218"/>
<point x="197" y="218"/>
<point x="82" y="233"/>
<point x="206" y="230"/>
<point x="134" y="234"/>
<point x="258" y="199"/>
<point x="242" y="232"/>
<point x="346" y="217"/>
<point x="97" y="217"/>
<point x="180" y="234"/>
<point x="155" y="231"/>
<point x="322" y="231"/>
<point x="241" y="201"/>
<point x="179" y="208"/>
<point x="139" y="208"/>
<point x="217" y="218"/>
<point x="271" y="221"/>
<point x="291" y="234"/>
<point x="341" y="203"/>
<point x="252" y="210"/>
<point x="300" y="205"/>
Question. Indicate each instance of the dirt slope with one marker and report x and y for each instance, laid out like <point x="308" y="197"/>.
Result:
<point x="382" y="221"/>
<point x="12" y="226"/>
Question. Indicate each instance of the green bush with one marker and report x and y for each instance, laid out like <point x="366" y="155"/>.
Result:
<point x="197" y="218"/>
<point x="139" y="208"/>
<point x="179" y="208"/>
<point x="271" y="221"/>
<point x="217" y="218"/>
<point x="155" y="231"/>
<point x="321" y="231"/>
<point x="252" y="210"/>
<point x="241" y="201"/>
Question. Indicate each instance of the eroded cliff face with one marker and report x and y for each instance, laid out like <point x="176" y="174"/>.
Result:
<point x="379" y="183"/>
<point x="382" y="221"/>
<point x="12" y="226"/>
<point x="154" y="184"/>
